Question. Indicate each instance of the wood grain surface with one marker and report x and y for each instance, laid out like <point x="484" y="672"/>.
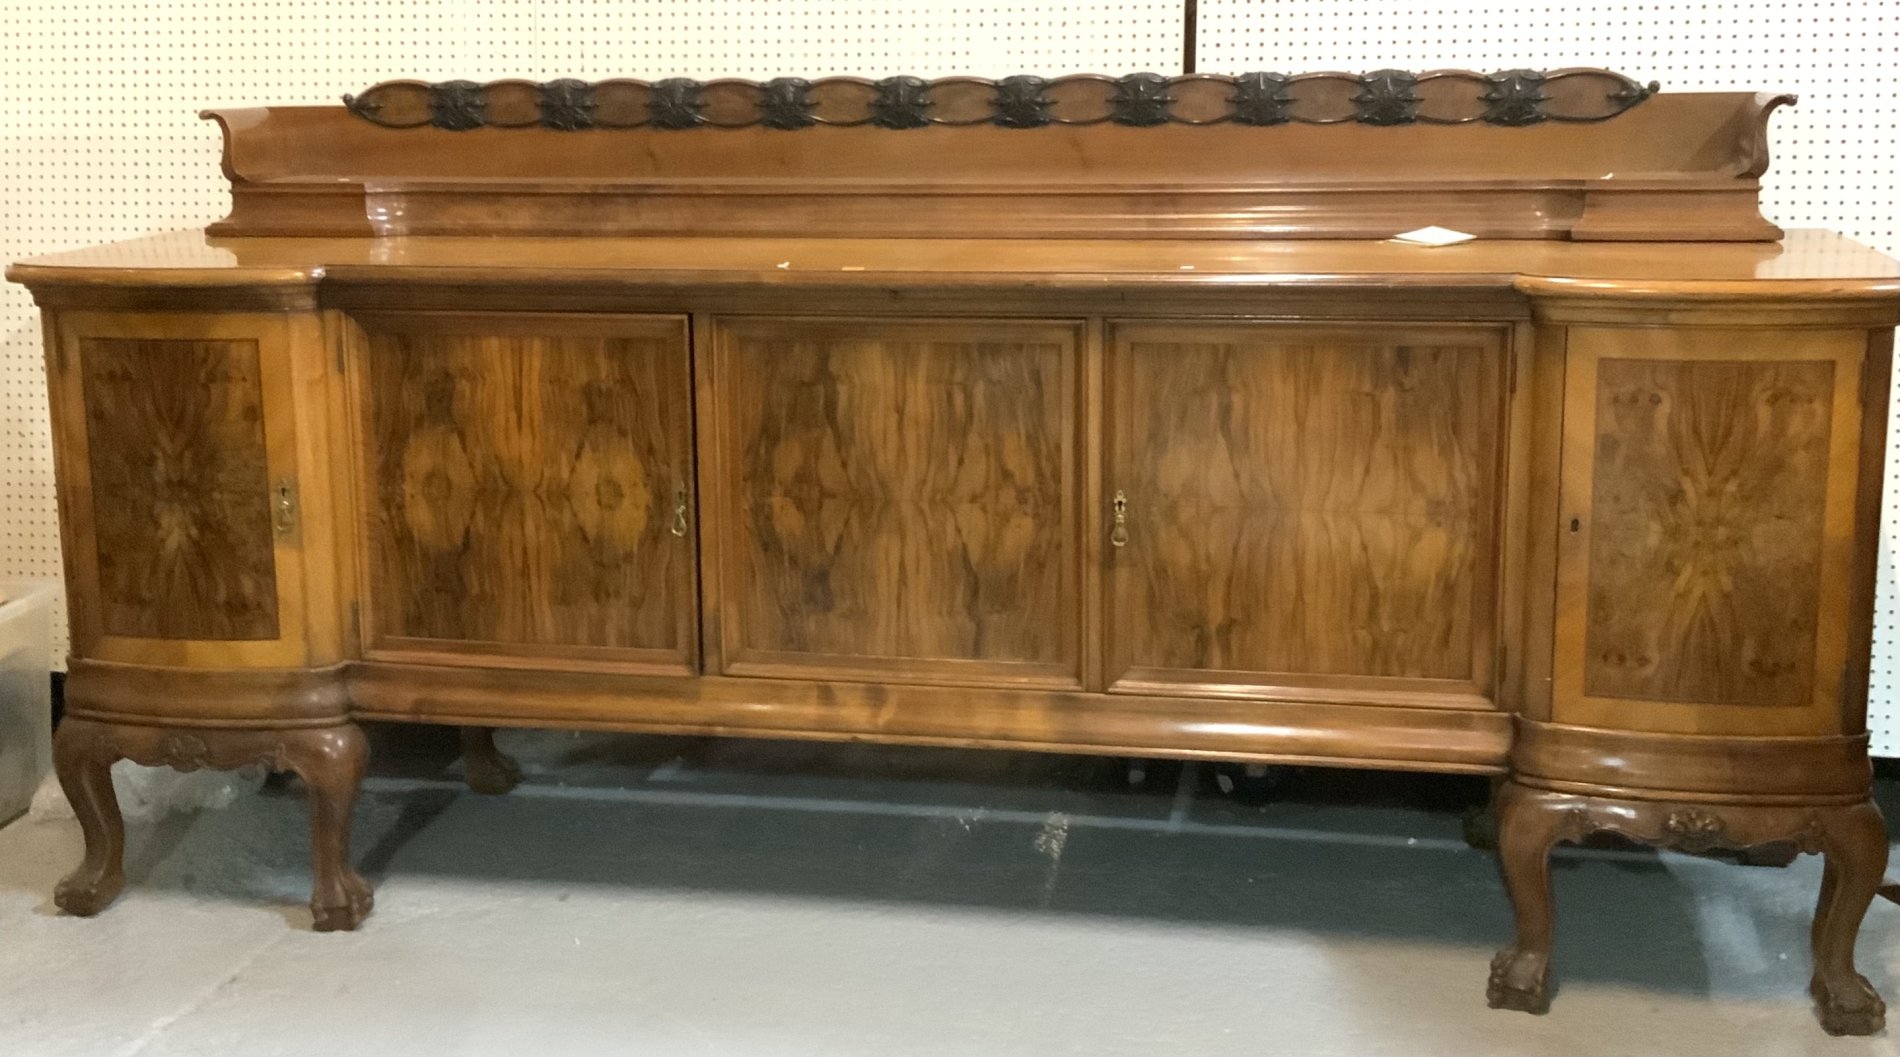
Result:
<point x="181" y="488"/>
<point x="526" y="475"/>
<point x="1711" y="481"/>
<point x="902" y="494"/>
<point x="1706" y="544"/>
<point x="1808" y="263"/>
<point x="1300" y="500"/>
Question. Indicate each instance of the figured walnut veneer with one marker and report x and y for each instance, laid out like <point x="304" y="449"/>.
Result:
<point x="1711" y="484"/>
<point x="528" y="485"/>
<point x="1709" y="501"/>
<point x="1305" y="502"/>
<point x="175" y="433"/>
<point x="899" y="494"/>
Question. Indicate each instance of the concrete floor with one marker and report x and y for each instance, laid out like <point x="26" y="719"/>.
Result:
<point x="669" y="896"/>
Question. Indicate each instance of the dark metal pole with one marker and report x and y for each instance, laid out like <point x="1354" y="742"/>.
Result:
<point x="1187" y="36"/>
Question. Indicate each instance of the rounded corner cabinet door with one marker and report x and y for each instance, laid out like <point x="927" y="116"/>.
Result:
<point x="1707" y="529"/>
<point x="525" y="482"/>
<point x="179" y="488"/>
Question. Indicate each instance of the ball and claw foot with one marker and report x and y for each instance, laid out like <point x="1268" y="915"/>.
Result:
<point x="345" y="909"/>
<point x="1852" y="1007"/>
<point x="487" y="769"/>
<point x="1519" y="980"/>
<point x="85" y="893"/>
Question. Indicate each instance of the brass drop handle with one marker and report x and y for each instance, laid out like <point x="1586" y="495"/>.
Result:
<point x="679" y="513"/>
<point x="1118" y="533"/>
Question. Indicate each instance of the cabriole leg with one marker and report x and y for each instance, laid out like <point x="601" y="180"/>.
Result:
<point x="331" y="761"/>
<point x="1853" y="838"/>
<point x="1529" y="825"/>
<point x="1854" y="841"/>
<point x="486" y="768"/>
<point x="83" y="755"/>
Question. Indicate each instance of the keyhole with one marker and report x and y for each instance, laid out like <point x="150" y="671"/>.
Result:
<point x="1576" y="524"/>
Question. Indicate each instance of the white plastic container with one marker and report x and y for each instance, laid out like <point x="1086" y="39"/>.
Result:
<point x="26" y="693"/>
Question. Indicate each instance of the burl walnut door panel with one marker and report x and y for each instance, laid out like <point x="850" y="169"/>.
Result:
<point x="178" y="444"/>
<point x="1708" y="494"/>
<point x="1304" y="511"/>
<point x="898" y="499"/>
<point x="527" y="489"/>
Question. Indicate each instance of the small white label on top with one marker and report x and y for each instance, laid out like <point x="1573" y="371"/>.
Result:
<point x="1434" y="236"/>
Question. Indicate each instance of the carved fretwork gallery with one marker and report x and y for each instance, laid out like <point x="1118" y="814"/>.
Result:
<point x="1385" y="97"/>
<point x="1082" y="414"/>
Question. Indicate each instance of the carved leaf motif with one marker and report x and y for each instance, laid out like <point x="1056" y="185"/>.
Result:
<point x="1694" y="830"/>
<point x="1384" y="97"/>
<point x="1387" y="98"/>
<point x="1261" y="98"/>
<point x="1021" y="102"/>
<point x="1142" y="99"/>
<point x="676" y="103"/>
<point x="1515" y="97"/>
<point x="785" y="103"/>
<point x="567" y="105"/>
<point x="184" y="752"/>
<point x="457" y="105"/>
<point x="902" y="102"/>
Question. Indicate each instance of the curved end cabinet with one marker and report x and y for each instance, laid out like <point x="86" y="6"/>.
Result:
<point x="1717" y="492"/>
<point x="1074" y="446"/>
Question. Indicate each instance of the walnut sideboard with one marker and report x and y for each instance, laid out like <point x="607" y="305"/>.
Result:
<point x="1083" y="415"/>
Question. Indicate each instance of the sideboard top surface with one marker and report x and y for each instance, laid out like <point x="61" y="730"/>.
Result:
<point x="1804" y="263"/>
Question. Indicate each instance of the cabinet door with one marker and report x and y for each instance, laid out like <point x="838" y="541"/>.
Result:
<point x="177" y="451"/>
<point x="1707" y="528"/>
<point x="897" y="499"/>
<point x="1304" y="511"/>
<point x="526" y="487"/>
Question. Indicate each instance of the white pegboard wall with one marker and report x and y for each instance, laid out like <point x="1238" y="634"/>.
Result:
<point x="102" y="141"/>
<point x="1835" y="160"/>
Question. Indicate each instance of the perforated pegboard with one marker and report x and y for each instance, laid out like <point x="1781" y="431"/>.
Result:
<point x="1836" y="155"/>
<point x="102" y="141"/>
